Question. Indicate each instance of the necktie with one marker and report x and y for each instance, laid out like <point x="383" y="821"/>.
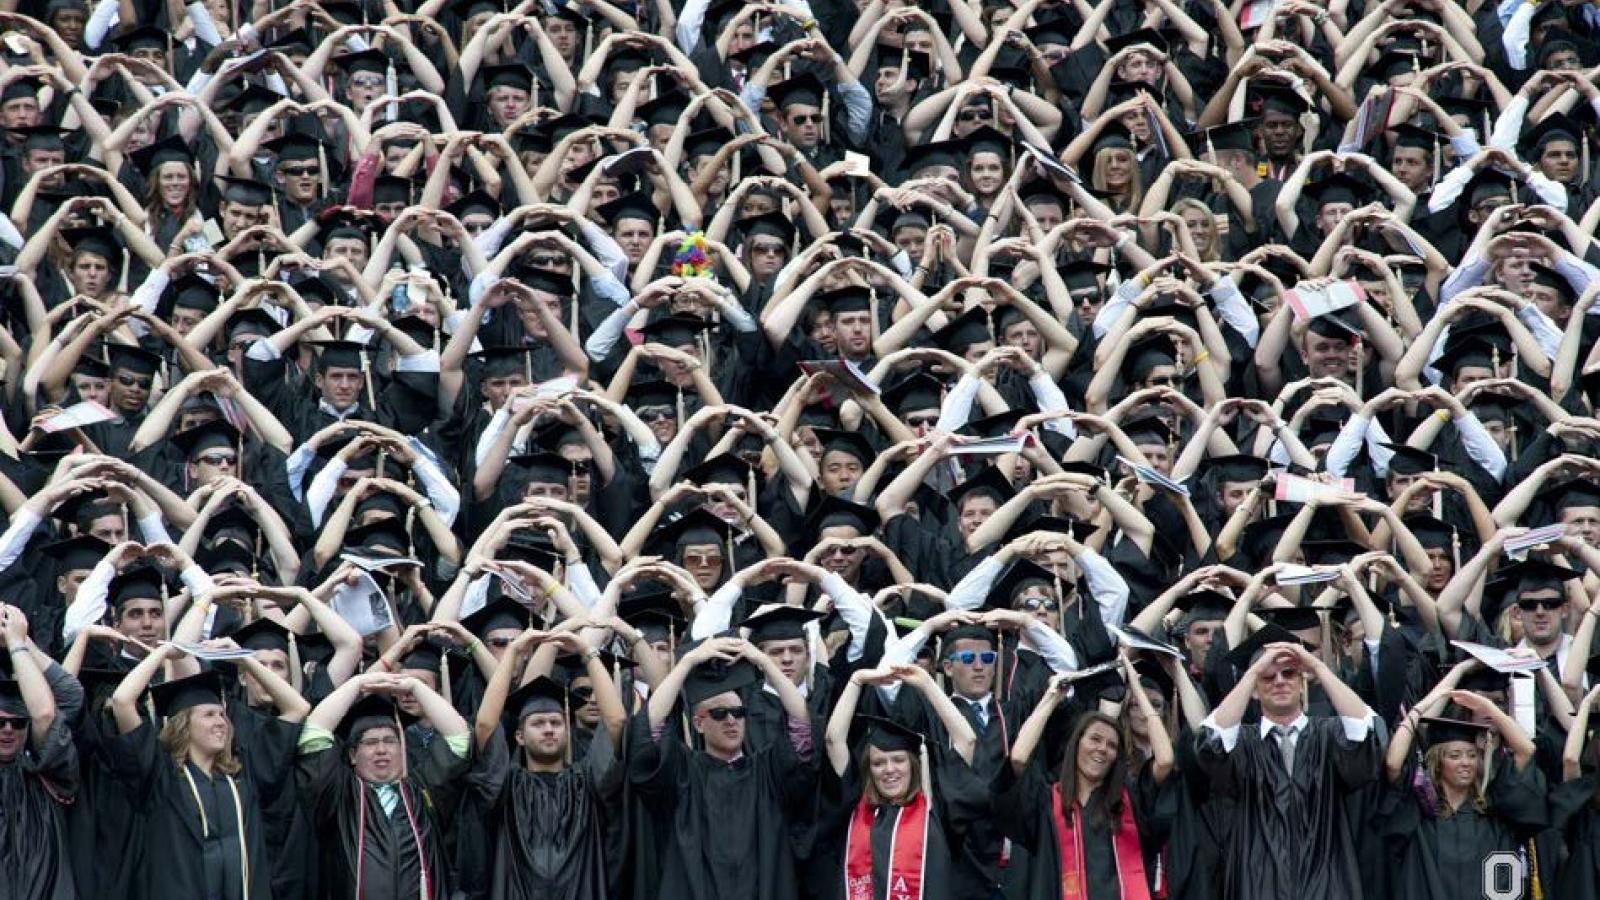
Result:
<point x="981" y="716"/>
<point x="1284" y="735"/>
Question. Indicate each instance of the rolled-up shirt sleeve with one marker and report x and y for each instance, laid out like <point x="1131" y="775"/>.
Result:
<point x="1106" y="585"/>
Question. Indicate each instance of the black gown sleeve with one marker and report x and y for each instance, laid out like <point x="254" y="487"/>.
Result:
<point x="1519" y="797"/>
<point x="1016" y="803"/>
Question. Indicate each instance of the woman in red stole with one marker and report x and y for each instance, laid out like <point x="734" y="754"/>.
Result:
<point x="894" y="803"/>
<point x="1095" y="833"/>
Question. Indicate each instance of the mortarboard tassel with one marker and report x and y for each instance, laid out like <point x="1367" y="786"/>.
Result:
<point x="372" y="397"/>
<point x="322" y="160"/>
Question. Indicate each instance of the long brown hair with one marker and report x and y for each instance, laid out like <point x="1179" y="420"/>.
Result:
<point x="869" y="791"/>
<point x="1433" y="765"/>
<point x="158" y="211"/>
<point x="1110" y="799"/>
<point x="175" y="741"/>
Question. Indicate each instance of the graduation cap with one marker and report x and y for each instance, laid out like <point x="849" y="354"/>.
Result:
<point x="1432" y="533"/>
<point x="890" y="736"/>
<point x="676" y="330"/>
<point x="1474" y="353"/>
<point x="696" y="527"/>
<point x="1148" y="355"/>
<point x="716" y="677"/>
<point x="1114" y="136"/>
<point x="387" y="533"/>
<point x="991" y="140"/>
<point x="777" y="622"/>
<point x="1261" y="537"/>
<point x="97" y="240"/>
<point x="833" y="512"/>
<point x="541" y="695"/>
<point x="1408" y="135"/>
<point x="296" y="147"/>
<point x="724" y="468"/>
<point x="500" y="362"/>
<point x="1238" y="468"/>
<point x="636" y="205"/>
<point x="193" y="292"/>
<point x="1020" y="575"/>
<point x="543" y="467"/>
<point x="801" y="90"/>
<point x="129" y="358"/>
<point x="652" y="393"/>
<point x="369" y="60"/>
<point x="1545" y="276"/>
<point x="173" y="697"/>
<point x="498" y="614"/>
<point x="706" y="142"/>
<point x="989" y="482"/>
<point x="853" y="443"/>
<point x="512" y="75"/>
<point x="665" y="109"/>
<point x="1150" y="429"/>
<point x="83" y="551"/>
<point x="1574" y="494"/>
<point x="42" y="137"/>
<point x="1339" y="187"/>
<point x="1205" y="604"/>
<point x="369" y="712"/>
<point x="847" y="299"/>
<point x="772" y="224"/>
<point x="654" y="612"/>
<point x="245" y="191"/>
<point x="252" y="99"/>
<point x="1238" y="136"/>
<point x="1242" y="655"/>
<point x="1083" y="273"/>
<point x="960" y="333"/>
<point x="210" y="436"/>
<point x="919" y="392"/>
<point x="22" y="88"/>
<point x="1444" y="731"/>
<point x="393" y="189"/>
<point x="475" y="202"/>
<point x="1331" y="551"/>
<point x="1079" y="531"/>
<point x="1341" y="325"/>
<point x="1410" y="460"/>
<point x="1398" y="60"/>
<point x="1279" y="99"/>
<point x="1291" y="618"/>
<point x="227" y="555"/>
<point x="1134" y="38"/>
<point x="934" y="154"/>
<point x="339" y="354"/>
<point x="263" y="634"/>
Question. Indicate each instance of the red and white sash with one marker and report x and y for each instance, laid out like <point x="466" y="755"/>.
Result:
<point x="907" y="851"/>
<point x="1124" y="843"/>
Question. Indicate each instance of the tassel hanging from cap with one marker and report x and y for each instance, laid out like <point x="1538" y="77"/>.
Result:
<point x="322" y="162"/>
<point x="873" y="311"/>
<point x="372" y="396"/>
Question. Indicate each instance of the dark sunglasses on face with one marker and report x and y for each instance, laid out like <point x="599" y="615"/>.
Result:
<point x="301" y="171"/>
<point x="1546" y="603"/>
<point x="968" y="657"/>
<point x="1035" y="604"/>
<point x="974" y="115"/>
<point x="916" y="421"/>
<point x="133" y="381"/>
<point x="15" y="723"/>
<point x="722" y="714"/>
<point x="768" y="249"/>
<point x="1289" y="674"/>
<point x="499" y="643"/>
<point x="218" y="459"/>
<point x="803" y="119"/>
<point x="548" y="262"/>
<point x="656" y="414"/>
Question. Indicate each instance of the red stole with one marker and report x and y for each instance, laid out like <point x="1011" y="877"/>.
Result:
<point x="1124" y="843"/>
<point x="907" y="850"/>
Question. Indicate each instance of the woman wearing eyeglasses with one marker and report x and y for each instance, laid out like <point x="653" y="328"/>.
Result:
<point x="1093" y="831"/>
<point x="894" y="802"/>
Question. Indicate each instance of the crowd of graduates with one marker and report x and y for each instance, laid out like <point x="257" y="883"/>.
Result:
<point x="803" y="450"/>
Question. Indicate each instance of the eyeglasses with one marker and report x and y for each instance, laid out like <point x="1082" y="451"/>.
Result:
<point x="702" y="559"/>
<point x="1035" y="604"/>
<point x="301" y="171"/>
<point x="968" y="657"/>
<point x="15" y="723"/>
<point x="388" y="740"/>
<point x="545" y="261"/>
<point x="218" y="459"/>
<point x="656" y="413"/>
<point x="1545" y="603"/>
<point x="366" y="81"/>
<point x="768" y="249"/>
<point x="804" y="119"/>
<point x="841" y="550"/>
<point x="133" y="381"/>
<point x="1289" y="674"/>
<point x="974" y="115"/>
<point x="722" y="714"/>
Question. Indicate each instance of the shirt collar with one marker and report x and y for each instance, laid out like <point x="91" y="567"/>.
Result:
<point x="1265" y="726"/>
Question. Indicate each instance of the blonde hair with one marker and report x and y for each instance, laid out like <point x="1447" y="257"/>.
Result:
<point x="1135" y="187"/>
<point x="1433" y="762"/>
<point x="175" y="741"/>
<point x="1186" y="204"/>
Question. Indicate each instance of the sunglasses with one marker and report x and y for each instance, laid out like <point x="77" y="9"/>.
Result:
<point x="1289" y="674"/>
<point x="722" y="714"/>
<point x="301" y="171"/>
<point x="548" y="262"/>
<point x="917" y="421"/>
<point x="968" y="657"/>
<point x="131" y="381"/>
<point x="499" y="643"/>
<point x="218" y="459"/>
<point x="1035" y="604"/>
<point x="803" y="119"/>
<point x="15" y="723"/>
<point x="974" y="115"/>
<point x="656" y="414"/>
<point x="768" y="249"/>
<point x="371" y="81"/>
<point x="701" y="559"/>
<point x="1545" y="603"/>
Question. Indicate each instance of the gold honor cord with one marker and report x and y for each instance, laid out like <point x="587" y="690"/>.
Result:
<point x="238" y="812"/>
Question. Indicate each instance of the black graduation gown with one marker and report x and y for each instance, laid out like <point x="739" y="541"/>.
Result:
<point x="35" y="791"/>
<point x="1290" y="838"/>
<point x="730" y="833"/>
<point x="104" y="822"/>
<point x="1022" y="810"/>
<point x="386" y="848"/>
<point x="181" y="860"/>
<point x="547" y="830"/>
<point x="959" y="798"/>
<point x="1574" y="810"/>
<point x="1442" y="857"/>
